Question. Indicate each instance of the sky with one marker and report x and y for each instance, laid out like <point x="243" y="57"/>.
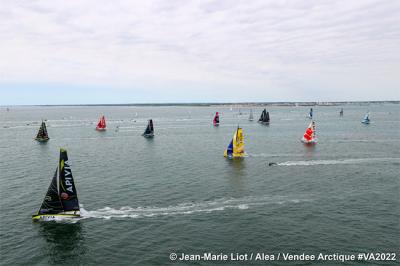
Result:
<point x="177" y="51"/>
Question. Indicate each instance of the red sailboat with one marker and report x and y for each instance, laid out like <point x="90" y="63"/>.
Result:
<point x="101" y="126"/>
<point x="216" y="119"/>
<point x="309" y="135"/>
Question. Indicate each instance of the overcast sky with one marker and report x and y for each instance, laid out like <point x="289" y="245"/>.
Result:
<point x="94" y="51"/>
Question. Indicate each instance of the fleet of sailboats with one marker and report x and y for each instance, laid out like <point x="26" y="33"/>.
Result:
<point x="61" y="200"/>
<point x="149" y="131"/>
<point x="42" y="135"/>
<point x="101" y="126"/>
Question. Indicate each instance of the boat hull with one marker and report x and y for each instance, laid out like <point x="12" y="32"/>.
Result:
<point x="365" y="122"/>
<point x="54" y="217"/>
<point x="151" y="135"/>
<point x="100" y="129"/>
<point x="235" y="155"/>
<point x="309" y="142"/>
<point x="42" y="139"/>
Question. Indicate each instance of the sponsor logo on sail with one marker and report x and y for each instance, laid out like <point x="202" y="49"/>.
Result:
<point x="68" y="177"/>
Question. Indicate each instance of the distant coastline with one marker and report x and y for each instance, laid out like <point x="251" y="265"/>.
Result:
<point x="228" y="104"/>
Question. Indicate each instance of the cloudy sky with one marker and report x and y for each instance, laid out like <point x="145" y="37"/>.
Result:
<point x="95" y="51"/>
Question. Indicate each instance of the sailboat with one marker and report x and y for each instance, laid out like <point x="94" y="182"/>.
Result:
<point x="309" y="135"/>
<point x="310" y="114"/>
<point x="264" y="118"/>
<point x="366" y="119"/>
<point x="101" y="126"/>
<point x="236" y="146"/>
<point x="251" y="115"/>
<point x="149" y="132"/>
<point x="42" y="135"/>
<point x="341" y="112"/>
<point x="216" y="120"/>
<point x="61" y="200"/>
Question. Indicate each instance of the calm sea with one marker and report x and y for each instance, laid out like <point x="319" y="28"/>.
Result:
<point x="143" y="199"/>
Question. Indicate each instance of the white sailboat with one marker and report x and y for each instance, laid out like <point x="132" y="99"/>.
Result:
<point x="251" y="118"/>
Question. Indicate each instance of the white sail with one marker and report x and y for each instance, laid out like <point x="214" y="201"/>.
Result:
<point x="251" y="115"/>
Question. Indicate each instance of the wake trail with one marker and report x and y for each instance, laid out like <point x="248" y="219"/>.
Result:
<point x="186" y="208"/>
<point x="340" y="161"/>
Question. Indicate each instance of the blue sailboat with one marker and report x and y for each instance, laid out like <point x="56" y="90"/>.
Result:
<point x="366" y="119"/>
<point x="310" y="115"/>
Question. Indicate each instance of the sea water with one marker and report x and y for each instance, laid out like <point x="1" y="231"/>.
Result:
<point x="143" y="199"/>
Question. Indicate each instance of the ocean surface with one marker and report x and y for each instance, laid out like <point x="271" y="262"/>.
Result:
<point x="143" y="199"/>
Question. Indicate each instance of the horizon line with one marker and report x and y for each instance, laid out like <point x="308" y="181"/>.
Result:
<point x="213" y="103"/>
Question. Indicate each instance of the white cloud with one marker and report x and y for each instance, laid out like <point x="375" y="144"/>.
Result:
<point x="265" y="50"/>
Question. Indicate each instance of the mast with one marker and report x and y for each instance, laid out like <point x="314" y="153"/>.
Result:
<point x="314" y="132"/>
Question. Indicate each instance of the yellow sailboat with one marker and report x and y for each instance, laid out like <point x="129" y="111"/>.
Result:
<point x="236" y="146"/>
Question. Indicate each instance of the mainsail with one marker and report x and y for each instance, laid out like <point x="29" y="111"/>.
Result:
<point x="235" y="148"/>
<point x="149" y="132"/>
<point x="42" y="133"/>
<point x="61" y="198"/>
<point x="264" y="118"/>
<point x="52" y="203"/>
<point x="310" y="115"/>
<point x="309" y="135"/>
<point x="251" y="115"/>
<point x="216" y="119"/>
<point x="102" y="124"/>
<point x="341" y="112"/>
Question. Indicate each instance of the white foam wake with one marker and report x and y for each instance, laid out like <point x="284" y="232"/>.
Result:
<point x="186" y="208"/>
<point x="341" y="161"/>
<point x="269" y="155"/>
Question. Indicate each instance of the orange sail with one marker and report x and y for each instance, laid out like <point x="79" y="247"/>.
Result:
<point x="309" y="135"/>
